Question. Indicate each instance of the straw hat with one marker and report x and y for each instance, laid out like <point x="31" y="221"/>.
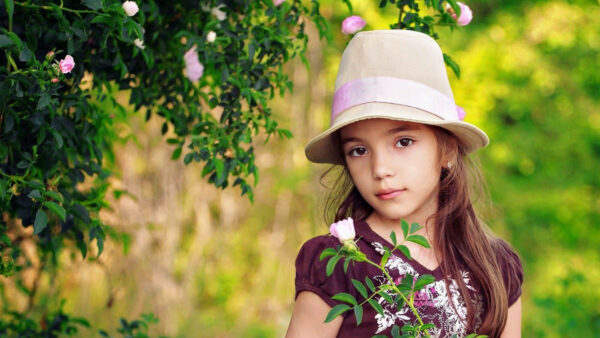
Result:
<point x="397" y="75"/>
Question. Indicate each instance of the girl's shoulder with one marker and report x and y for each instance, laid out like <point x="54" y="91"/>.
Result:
<point x="511" y="267"/>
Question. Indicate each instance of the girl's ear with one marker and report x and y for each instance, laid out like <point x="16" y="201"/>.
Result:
<point x="449" y="152"/>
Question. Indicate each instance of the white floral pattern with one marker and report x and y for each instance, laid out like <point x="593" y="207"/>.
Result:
<point x="449" y="320"/>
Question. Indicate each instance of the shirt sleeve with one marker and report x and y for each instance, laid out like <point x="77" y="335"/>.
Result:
<point x="311" y="272"/>
<point x="512" y="270"/>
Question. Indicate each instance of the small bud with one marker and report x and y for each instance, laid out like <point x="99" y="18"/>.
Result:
<point x="50" y="55"/>
<point x="353" y="24"/>
<point x="54" y="80"/>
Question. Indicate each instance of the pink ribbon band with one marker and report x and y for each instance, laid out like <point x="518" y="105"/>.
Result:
<point x="393" y="90"/>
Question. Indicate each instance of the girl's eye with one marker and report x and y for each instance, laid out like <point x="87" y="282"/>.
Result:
<point x="358" y="151"/>
<point x="404" y="142"/>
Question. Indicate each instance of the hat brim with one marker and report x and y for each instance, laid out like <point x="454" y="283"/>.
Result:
<point x="321" y="149"/>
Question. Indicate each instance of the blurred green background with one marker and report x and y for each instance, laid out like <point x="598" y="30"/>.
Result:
<point x="208" y="263"/>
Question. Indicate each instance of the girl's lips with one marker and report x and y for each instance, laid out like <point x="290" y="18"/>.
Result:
<point x="389" y="194"/>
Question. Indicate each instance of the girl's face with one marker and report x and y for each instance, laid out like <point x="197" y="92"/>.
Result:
<point x="395" y="166"/>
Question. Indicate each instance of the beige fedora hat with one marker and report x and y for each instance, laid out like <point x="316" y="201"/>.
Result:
<point x="396" y="75"/>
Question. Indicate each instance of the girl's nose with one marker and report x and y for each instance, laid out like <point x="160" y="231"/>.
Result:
<point x="381" y="166"/>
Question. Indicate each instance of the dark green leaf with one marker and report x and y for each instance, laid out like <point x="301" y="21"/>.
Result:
<point x="10" y="7"/>
<point x="93" y="4"/>
<point x="25" y="54"/>
<point x="360" y="287"/>
<point x="35" y="194"/>
<point x="345" y="297"/>
<point x="395" y="331"/>
<point x="43" y="101"/>
<point x="56" y="209"/>
<point x="53" y="194"/>
<point x="336" y="311"/>
<point x="387" y="297"/>
<point x="176" y="153"/>
<point x="419" y="240"/>
<point x="452" y="64"/>
<point x="57" y="137"/>
<point x="5" y="41"/>
<point x="41" y="220"/>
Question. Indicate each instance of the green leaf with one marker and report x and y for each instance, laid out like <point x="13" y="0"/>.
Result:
<point x="414" y="228"/>
<point x="376" y="306"/>
<point x="452" y="64"/>
<point x="360" y="287"/>
<point x="346" y="263"/>
<point x="57" y="137"/>
<point x="219" y="167"/>
<point x="405" y="251"/>
<point x="369" y="283"/>
<point x="326" y="253"/>
<point x="35" y="194"/>
<point x="395" y="331"/>
<point x="5" y="239"/>
<point x="331" y="264"/>
<point x="345" y="297"/>
<point x="358" y="313"/>
<point x="404" y="228"/>
<point x="43" y="101"/>
<point x="53" y="194"/>
<point x="56" y="209"/>
<point x="385" y="258"/>
<point x="393" y="237"/>
<point x="41" y="220"/>
<point x="419" y="240"/>
<point x="422" y="281"/>
<point x="336" y="311"/>
<point x="176" y="153"/>
<point x="93" y="4"/>
<point x="387" y="297"/>
<point x="5" y="41"/>
<point x="10" y="7"/>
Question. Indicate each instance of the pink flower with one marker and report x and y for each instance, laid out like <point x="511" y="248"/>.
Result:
<point x="466" y="15"/>
<point x="343" y="230"/>
<point x="461" y="112"/>
<point x="278" y="2"/>
<point x="66" y="64"/>
<point x="54" y="80"/>
<point x="193" y="68"/>
<point x="352" y="24"/>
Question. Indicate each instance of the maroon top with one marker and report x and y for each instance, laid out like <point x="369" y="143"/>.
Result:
<point x="433" y="303"/>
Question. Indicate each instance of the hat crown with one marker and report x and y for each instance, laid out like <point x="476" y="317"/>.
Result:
<point x="401" y="54"/>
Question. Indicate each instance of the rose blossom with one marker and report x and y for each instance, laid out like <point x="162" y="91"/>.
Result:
<point x="461" y="112"/>
<point x="193" y="67"/>
<point x="343" y="230"/>
<point x="466" y="15"/>
<point x="278" y="2"/>
<point x="130" y="8"/>
<point x="66" y="64"/>
<point x="218" y="13"/>
<point x="211" y="36"/>
<point x="352" y="24"/>
<point x="139" y="43"/>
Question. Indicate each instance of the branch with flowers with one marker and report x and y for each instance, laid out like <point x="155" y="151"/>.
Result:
<point x="399" y="293"/>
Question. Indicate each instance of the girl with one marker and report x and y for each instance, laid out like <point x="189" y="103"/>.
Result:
<point x="402" y="144"/>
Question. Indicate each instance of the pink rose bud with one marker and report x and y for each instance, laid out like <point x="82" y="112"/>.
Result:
<point x="193" y="68"/>
<point x="54" y="80"/>
<point x="343" y="230"/>
<point x="352" y="24"/>
<point x="130" y="8"/>
<point x="466" y="15"/>
<point x="66" y="64"/>
<point x="461" y="112"/>
<point x="50" y="55"/>
<point x="278" y="2"/>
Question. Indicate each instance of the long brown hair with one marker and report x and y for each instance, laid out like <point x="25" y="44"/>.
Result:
<point x="477" y="250"/>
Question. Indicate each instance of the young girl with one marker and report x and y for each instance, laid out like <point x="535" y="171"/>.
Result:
<point x="400" y="138"/>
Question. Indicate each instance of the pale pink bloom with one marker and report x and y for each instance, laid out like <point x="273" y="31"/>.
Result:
<point x="278" y="2"/>
<point x="343" y="230"/>
<point x="66" y="65"/>
<point x="193" y="68"/>
<point x="130" y="8"/>
<point x="211" y="36"/>
<point x="352" y="24"/>
<point x="218" y="13"/>
<point x="461" y="112"/>
<point x="466" y="15"/>
<point x="54" y="80"/>
<point x="139" y="43"/>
